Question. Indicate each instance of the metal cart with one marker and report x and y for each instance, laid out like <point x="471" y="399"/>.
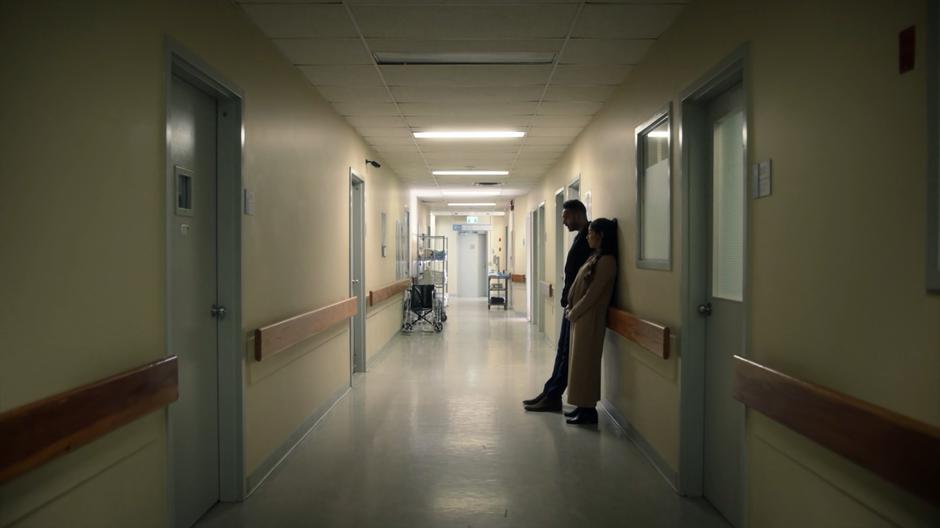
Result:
<point x="426" y="301"/>
<point x="497" y="290"/>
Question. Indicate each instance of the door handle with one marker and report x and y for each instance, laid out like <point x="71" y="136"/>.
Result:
<point x="217" y="311"/>
<point x="705" y="309"/>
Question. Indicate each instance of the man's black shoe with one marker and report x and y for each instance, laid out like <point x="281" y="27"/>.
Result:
<point x="572" y="413"/>
<point x="535" y="400"/>
<point x="545" y="405"/>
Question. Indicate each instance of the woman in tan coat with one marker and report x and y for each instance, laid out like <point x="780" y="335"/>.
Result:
<point x="588" y="300"/>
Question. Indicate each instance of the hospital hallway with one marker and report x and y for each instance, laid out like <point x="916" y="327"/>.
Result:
<point x="435" y="435"/>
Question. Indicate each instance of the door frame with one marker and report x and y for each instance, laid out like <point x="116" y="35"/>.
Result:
<point x="355" y="178"/>
<point x="541" y="256"/>
<point x="732" y="70"/>
<point x="230" y="143"/>
<point x="559" y="258"/>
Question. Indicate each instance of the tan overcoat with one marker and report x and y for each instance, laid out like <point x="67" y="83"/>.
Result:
<point x="588" y="300"/>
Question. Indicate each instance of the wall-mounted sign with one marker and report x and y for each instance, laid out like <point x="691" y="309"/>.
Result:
<point x="473" y="219"/>
<point x="473" y="228"/>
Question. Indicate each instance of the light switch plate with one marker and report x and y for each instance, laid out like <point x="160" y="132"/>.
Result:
<point x="249" y="202"/>
<point x="762" y="179"/>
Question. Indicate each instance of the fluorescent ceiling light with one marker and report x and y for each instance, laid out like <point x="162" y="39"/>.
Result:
<point x="463" y="57"/>
<point x="470" y="173"/>
<point x="470" y="134"/>
<point x="477" y="204"/>
<point x="658" y="134"/>
<point x="470" y="193"/>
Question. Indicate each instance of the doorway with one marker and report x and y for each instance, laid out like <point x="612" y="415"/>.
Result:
<point x="203" y="287"/>
<point x="574" y="193"/>
<point x="357" y="222"/>
<point x="560" y="247"/>
<point x="471" y="258"/>
<point x="540" y="235"/>
<point x="715" y="307"/>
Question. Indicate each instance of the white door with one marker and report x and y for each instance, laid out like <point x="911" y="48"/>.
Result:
<point x="194" y="292"/>
<point x="357" y="271"/>
<point x="471" y="255"/>
<point x="724" y="327"/>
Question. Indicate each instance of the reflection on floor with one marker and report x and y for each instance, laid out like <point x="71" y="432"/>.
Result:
<point x="435" y="435"/>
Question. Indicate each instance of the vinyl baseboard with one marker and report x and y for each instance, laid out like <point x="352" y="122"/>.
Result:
<point x="669" y="474"/>
<point x="271" y="463"/>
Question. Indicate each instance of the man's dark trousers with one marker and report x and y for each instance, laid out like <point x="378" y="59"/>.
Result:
<point x="558" y="382"/>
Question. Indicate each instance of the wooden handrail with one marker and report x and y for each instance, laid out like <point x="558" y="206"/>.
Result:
<point x="386" y="292"/>
<point x="518" y="277"/>
<point x="276" y="337"/>
<point x="898" y="448"/>
<point x="40" y="431"/>
<point x="546" y="288"/>
<point x="649" y="335"/>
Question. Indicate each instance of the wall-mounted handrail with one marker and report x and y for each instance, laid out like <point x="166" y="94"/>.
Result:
<point x="387" y="292"/>
<point x="38" y="432"/>
<point x="546" y="288"/>
<point x="279" y="336"/>
<point x="898" y="448"/>
<point x="649" y="335"/>
<point x="518" y="277"/>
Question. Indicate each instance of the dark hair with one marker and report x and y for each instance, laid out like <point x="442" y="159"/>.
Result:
<point x="576" y="206"/>
<point x="607" y="228"/>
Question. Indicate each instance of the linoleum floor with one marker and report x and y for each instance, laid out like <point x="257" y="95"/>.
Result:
<point x="434" y="435"/>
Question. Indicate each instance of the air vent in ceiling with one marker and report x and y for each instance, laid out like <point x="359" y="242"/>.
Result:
<point x="490" y="57"/>
<point x="487" y="184"/>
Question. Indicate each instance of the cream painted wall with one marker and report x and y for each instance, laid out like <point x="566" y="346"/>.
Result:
<point x="836" y="252"/>
<point x="82" y="228"/>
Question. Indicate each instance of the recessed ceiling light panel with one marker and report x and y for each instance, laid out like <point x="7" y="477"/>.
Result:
<point x="460" y="57"/>
<point x="474" y="204"/>
<point x="470" y="173"/>
<point x="470" y="134"/>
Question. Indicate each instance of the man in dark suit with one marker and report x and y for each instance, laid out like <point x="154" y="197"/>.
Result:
<point x="574" y="217"/>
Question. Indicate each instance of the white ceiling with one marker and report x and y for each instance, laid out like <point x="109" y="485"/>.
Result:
<point x="594" y="44"/>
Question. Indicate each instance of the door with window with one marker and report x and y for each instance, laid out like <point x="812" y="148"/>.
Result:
<point x="193" y="297"/>
<point x="724" y="307"/>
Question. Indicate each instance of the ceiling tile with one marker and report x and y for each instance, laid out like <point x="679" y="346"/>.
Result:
<point x="454" y="22"/>
<point x="348" y="75"/>
<point x="465" y="46"/>
<point x="481" y="94"/>
<point x="469" y="122"/>
<point x="467" y="75"/>
<point x="560" y="108"/>
<point x="366" y="109"/>
<point x="561" y="121"/>
<point x="448" y="109"/>
<point x="632" y="21"/>
<point x="301" y="20"/>
<point x="576" y="75"/>
<point x="360" y="94"/>
<point x="600" y="93"/>
<point x="399" y="131"/>
<point x="324" y="51"/>
<point x="569" y="132"/>
<point x="609" y="51"/>
<point x="375" y="121"/>
<point x="557" y="141"/>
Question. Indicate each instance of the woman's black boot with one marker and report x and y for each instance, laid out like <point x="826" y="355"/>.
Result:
<point x="572" y="413"/>
<point x="584" y="416"/>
